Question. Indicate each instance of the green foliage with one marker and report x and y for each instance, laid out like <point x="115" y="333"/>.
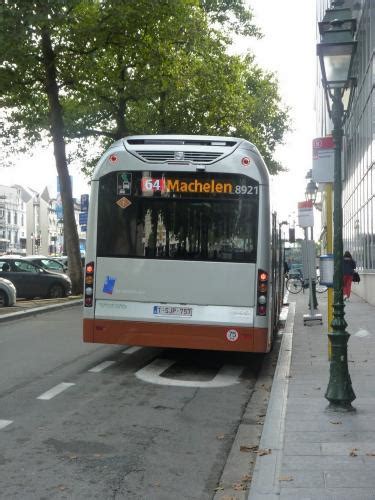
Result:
<point x="125" y="68"/>
<point x="233" y="15"/>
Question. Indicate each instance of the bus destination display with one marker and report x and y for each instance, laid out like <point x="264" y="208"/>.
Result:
<point x="170" y="185"/>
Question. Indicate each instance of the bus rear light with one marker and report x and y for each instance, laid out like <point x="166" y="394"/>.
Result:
<point x="263" y="276"/>
<point x="88" y="301"/>
<point x="262" y="287"/>
<point x="262" y="290"/>
<point x="89" y="281"/>
<point x="262" y="310"/>
<point x="90" y="268"/>
<point x="262" y="299"/>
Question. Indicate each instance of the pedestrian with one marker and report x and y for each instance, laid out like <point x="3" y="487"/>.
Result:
<point x="286" y="267"/>
<point x="348" y="269"/>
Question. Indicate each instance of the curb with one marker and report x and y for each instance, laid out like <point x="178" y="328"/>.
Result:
<point x="265" y="482"/>
<point x="38" y="310"/>
<point x="238" y="469"/>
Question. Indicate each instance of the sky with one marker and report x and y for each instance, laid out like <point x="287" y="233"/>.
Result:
<point x="287" y="49"/>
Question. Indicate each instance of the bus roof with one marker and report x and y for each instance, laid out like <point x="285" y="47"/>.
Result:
<point x="203" y="149"/>
<point x="182" y="139"/>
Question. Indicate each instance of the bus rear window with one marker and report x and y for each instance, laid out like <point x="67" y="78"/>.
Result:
<point x="174" y="215"/>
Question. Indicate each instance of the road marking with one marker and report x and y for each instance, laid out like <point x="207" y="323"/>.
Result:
<point x="102" y="366"/>
<point x="132" y="350"/>
<point x="55" y="391"/>
<point x="362" y="333"/>
<point x="5" y="423"/>
<point x="227" y="375"/>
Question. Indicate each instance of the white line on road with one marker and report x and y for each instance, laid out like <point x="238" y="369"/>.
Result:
<point x="362" y="333"/>
<point x="5" y="423"/>
<point x="132" y="350"/>
<point x="101" y="366"/>
<point x="226" y="376"/>
<point x="55" y="391"/>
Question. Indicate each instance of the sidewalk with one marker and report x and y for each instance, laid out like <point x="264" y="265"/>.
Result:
<point x="25" y="308"/>
<point x="310" y="453"/>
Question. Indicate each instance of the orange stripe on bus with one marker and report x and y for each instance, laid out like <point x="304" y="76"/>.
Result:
<point x="174" y="335"/>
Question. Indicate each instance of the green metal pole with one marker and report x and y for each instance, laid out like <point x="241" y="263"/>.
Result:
<point x="339" y="392"/>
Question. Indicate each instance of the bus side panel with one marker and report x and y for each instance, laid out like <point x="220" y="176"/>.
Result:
<point x="88" y="330"/>
<point x="175" y="335"/>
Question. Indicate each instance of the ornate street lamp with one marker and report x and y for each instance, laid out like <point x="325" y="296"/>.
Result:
<point x="310" y="195"/>
<point x="336" y="50"/>
<point x="311" y="191"/>
<point x="60" y="227"/>
<point x="281" y="263"/>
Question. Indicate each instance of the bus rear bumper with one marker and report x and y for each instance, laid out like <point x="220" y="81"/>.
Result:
<point x="222" y="338"/>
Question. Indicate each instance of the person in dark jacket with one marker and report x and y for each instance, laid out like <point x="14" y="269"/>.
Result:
<point x="348" y="269"/>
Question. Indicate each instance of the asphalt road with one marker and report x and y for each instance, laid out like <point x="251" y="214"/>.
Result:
<point x="86" y="421"/>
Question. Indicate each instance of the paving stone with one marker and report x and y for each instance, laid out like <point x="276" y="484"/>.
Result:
<point x="351" y="479"/>
<point x="327" y="494"/>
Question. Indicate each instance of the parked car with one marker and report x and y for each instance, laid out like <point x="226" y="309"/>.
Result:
<point x="7" y="293"/>
<point x="64" y="260"/>
<point x="32" y="280"/>
<point x="48" y="263"/>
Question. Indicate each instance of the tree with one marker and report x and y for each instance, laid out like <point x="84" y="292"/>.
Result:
<point x="30" y="87"/>
<point x="167" y="71"/>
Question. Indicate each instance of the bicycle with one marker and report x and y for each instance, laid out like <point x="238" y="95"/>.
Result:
<point x="295" y="284"/>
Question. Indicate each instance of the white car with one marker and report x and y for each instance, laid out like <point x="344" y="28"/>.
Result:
<point x="7" y="293"/>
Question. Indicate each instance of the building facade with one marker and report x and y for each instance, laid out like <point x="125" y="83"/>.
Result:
<point x="358" y="174"/>
<point x="12" y="220"/>
<point x="29" y="223"/>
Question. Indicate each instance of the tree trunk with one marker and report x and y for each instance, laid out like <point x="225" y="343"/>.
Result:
<point x="121" y="128"/>
<point x="57" y="133"/>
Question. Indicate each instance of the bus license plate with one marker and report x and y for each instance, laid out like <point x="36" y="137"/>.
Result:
<point x="173" y="311"/>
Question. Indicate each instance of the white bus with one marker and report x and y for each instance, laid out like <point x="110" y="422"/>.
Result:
<point x="179" y="246"/>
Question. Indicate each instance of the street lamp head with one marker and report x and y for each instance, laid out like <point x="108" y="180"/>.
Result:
<point x="311" y="191"/>
<point x="336" y="53"/>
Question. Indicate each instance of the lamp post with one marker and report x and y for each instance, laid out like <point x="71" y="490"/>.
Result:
<point x="60" y="226"/>
<point x="336" y="50"/>
<point x="281" y="263"/>
<point x="310" y="195"/>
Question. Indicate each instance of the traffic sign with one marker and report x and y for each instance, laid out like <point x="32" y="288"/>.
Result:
<point x="305" y="214"/>
<point x="83" y="218"/>
<point x="84" y="202"/>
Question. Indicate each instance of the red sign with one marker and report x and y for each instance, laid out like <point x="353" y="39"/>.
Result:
<point x="323" y="159"/>
<point x="305" y="214"/>
<point x="323" y="142"/>
<point x="305" y="204"/>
